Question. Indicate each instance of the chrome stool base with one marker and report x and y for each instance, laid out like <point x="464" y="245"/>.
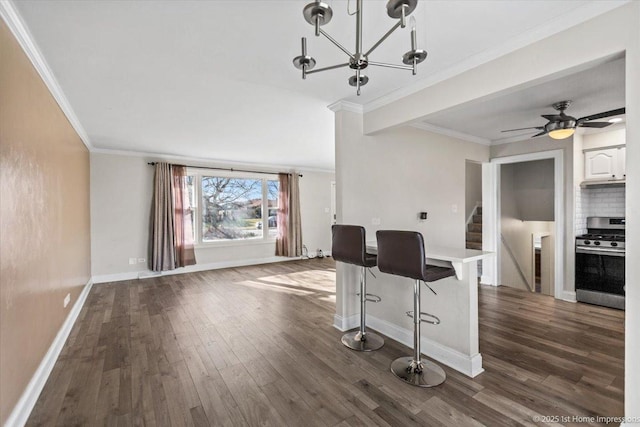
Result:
<point x="431" y="374"/>
<point x="354" y="341"/>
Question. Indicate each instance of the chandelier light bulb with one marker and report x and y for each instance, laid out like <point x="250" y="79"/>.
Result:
<point x="412" y="22"/>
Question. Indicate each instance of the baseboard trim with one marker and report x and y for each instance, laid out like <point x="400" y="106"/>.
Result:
<point x="487" y="280"/>
<point x="346" y="323"/>
<point x="27" y="401"/>
<point x="468" y="365"/>
<point x="147" y="274"/>
<point x="569" y="296"/>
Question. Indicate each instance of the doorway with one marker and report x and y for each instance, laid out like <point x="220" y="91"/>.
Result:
<point x="526" y="216"/>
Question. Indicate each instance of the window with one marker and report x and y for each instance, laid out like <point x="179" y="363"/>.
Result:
<point x="233" y="208"/>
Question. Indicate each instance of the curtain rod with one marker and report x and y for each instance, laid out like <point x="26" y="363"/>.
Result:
<point x="228" y="169"/>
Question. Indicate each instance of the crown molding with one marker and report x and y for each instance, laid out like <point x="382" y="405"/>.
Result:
<point x="12" y="18"/>
<point x="346" y="106"/>
<point x="553" y="26"/>
<point x="205" y="161"/>
<point x="450" y="132"/>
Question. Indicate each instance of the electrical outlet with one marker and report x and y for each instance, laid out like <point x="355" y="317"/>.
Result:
<point x="133" y="261"/>
<point x="326" y="210"/>
<point x="141" y="260"/>
<point x="67" y="300"/>
<point x="375" y="221"/>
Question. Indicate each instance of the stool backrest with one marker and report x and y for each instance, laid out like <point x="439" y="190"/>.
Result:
<point x="348" y="244"/>
<point x="401" y="253"/>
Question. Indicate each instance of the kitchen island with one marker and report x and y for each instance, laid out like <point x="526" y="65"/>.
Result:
<point x="454" y="342"/>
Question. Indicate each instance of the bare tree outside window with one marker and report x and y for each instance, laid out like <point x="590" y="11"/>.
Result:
<point x="231" y="208"/>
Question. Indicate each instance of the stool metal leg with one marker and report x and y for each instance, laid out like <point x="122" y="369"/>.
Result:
<point x="361" y="340"/>
<point x="414" y="370"/>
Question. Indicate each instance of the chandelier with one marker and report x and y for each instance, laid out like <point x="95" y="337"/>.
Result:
<point x="319" y="13"/>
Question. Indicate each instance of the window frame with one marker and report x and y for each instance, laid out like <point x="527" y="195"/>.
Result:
<point x="198" y="174"/>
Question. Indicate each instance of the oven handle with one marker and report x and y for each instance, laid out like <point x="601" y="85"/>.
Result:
<point x="604" y="252"/>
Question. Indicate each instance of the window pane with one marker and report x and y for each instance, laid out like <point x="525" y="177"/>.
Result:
<point x="231" y="208"/>
<point x="273" y="188"/>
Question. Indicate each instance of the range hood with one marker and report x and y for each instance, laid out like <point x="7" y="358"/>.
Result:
<point x="603" y="183"/>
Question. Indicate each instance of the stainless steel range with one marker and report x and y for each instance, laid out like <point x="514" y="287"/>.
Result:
<point x="600" y="262"/>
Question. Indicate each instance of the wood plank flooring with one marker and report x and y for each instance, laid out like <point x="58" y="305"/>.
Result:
<point x="255" y="346"/>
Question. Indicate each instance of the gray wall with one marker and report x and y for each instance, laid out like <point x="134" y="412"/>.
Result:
<point x="531" y="184"/>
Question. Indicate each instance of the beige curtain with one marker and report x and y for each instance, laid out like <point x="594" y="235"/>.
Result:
<point x="289" y="240"/>
<point x="185" y="254"/>
<point x="171" y="234"/>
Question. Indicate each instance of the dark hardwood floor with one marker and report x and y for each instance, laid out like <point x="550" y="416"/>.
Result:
<point x="255" y="346"/>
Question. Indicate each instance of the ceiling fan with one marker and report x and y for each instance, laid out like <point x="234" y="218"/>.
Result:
<point x="561" y="126"/>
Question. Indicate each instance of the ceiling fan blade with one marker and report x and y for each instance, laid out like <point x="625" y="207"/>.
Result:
<point x="616" y="112"/>
<point x="552" y="117"/>
<point x="544" y="132"/>
<point x="512" y="130"/>
<point x="595" y="124"/>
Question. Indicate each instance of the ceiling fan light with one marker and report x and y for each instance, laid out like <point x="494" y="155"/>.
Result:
<point x="561" y="133"/>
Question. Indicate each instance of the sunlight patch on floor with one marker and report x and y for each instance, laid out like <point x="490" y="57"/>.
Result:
<point x="276" y="286"/>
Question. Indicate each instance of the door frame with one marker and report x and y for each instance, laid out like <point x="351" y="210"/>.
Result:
<point x="491" y="225"/>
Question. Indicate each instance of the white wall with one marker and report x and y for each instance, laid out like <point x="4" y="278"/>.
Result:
<point x="315" y="207"/>
<point x="389" y="178"/>
<point x="604" y="139"/>
<point x="121" y="188"/>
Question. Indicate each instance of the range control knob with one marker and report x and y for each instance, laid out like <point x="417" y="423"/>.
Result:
<point x="587" y="242"/>
<point x="614" y="244"/>
<point x="597" y="243"/>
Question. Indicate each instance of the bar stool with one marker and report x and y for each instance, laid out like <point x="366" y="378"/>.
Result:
<point x="348" y="246"/>
<point x="402" y="253"/>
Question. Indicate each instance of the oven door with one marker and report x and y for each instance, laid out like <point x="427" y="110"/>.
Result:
<point x="600" y="270"/>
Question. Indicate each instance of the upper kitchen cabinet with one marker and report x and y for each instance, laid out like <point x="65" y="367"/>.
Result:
<point x="605" y="164"/>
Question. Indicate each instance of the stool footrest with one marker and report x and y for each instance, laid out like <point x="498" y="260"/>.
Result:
<point x="371" y="297"/>
<point x="435" y="321"/>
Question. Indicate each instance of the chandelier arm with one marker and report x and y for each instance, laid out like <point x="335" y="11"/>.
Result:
<point x="379" y="42"/>
<point x="342" y="48"/>
<point x="332" y="67"/>
<point x="384" y="64"/>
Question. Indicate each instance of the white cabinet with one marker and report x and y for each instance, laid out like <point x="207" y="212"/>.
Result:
<point x="622" y="162"/>
<point x="604" y="164"/>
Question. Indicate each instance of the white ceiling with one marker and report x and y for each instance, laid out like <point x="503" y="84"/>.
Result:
<point x="594" y="90"/>
<point x="214" y="79"/>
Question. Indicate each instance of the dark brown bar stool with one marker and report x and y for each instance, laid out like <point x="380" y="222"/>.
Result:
<point x="402" y="253"/>
<point x="348" y="246"/>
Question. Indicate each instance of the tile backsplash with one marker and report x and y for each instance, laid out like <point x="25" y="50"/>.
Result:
<point x="607" y="201"/>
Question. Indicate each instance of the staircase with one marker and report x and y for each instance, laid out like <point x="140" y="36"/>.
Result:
<point x="474" y="230"/>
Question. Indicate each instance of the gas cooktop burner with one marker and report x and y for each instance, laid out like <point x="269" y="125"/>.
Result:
<point x="609" y="237"/>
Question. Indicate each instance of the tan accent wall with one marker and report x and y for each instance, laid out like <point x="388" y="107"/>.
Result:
<point x="44" y="219"/>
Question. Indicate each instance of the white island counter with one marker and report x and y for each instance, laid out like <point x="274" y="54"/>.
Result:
<point x="454" y="342"/>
